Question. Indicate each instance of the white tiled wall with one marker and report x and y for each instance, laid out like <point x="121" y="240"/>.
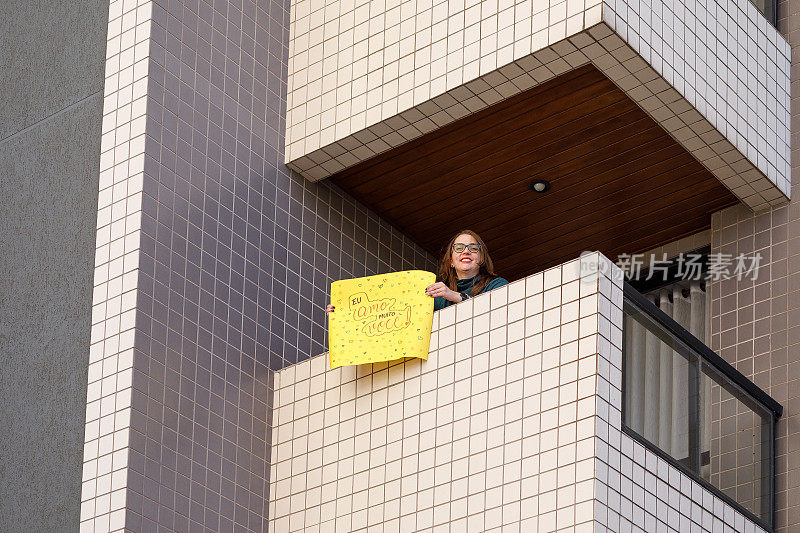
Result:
<point x="512" y="424"/>
<point x="729" y="63"/>
<point x="367" y="76"/>
<point x="639" y="491"/>
<point x="406" y="67"/>
<point x="116" y="261"/>
<point x="494" y="431"/>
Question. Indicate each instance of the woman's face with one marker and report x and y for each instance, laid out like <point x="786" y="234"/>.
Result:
<point x="467" y="263"/>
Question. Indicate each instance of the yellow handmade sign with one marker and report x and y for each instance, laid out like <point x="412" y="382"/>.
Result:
<point x="380" y="318"/>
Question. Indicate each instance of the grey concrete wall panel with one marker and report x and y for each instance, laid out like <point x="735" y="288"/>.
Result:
<point x="48" y="194"/>
<point x="52" y="55"/>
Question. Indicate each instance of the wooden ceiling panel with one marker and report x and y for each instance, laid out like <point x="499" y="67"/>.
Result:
<point x="465" y="132"/>
<point x="619" y="182"/>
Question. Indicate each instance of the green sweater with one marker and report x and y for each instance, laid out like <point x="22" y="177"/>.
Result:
<point x="465" y="285"/>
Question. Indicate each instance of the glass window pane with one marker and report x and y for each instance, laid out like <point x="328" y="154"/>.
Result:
<point x="656" y="384"/>
<point x="694" y="413"/>
<point x="739" y="435"/>
<point x="766" y="7"/>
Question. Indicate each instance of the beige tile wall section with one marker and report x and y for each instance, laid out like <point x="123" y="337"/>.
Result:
<point x="494" y="431"/>
<point x="513" y="424"/>
<point x="756" y="324"/>
<point x="368" y="76"/>
<point x="727" y="60"/>
<point x="408" y="69"/>
<point x="116" y="263"/>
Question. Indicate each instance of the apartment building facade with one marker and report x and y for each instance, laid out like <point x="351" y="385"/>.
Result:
<point x="182" y="181"/>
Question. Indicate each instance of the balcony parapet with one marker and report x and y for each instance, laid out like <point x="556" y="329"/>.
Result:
<point x="515" y="419"/>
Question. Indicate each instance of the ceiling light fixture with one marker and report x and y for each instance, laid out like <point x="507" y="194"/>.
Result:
<point x="540" y="186"/>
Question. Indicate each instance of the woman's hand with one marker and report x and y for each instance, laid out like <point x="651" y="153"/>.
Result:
<point x="329" y="309"/>
<point x="440" y="289"/>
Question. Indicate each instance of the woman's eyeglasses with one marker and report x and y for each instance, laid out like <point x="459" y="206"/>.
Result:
<point x="460" y="246"/>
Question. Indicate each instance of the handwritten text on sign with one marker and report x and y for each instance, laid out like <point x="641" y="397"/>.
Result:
<point x="380" y="318"/>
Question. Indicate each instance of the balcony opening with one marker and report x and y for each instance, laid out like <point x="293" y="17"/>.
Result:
<point x="619" y="183"/>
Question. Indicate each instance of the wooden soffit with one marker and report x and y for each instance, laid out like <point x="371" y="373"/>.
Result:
<point x="619" y="182"/>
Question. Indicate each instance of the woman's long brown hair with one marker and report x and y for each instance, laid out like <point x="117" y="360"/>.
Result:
<point x="448" y="275"/>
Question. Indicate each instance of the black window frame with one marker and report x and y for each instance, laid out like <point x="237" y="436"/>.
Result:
<point x="706" y="356"/>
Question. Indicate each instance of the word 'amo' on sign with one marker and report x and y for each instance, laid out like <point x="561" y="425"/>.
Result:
<point x="378" y="316"/>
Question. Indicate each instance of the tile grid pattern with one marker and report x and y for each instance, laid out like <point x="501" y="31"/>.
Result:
<point x="756" y="323"/>
<point x="728" y="62"/>
<point x="475" y="437"/>
<point x="408" y="68"/>
<point x="494" y="431"/>
<point x="636" y="490"/>
<point x="110" y="372"/>
<point x="736" y="439"/>
<point x="239" y="240"/>
<point x="328" y="130"/>
<point x="680" y="119"/>
<point x="221" y="255"/>
<point x="199" y="417"/>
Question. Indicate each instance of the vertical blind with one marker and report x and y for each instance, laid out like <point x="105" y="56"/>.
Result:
<point x="657" y="377"/>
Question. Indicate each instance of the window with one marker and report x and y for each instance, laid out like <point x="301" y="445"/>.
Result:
<point x="687" y="404"/>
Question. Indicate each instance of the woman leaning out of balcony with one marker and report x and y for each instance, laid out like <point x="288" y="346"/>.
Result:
<point x="465" y="271"/>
